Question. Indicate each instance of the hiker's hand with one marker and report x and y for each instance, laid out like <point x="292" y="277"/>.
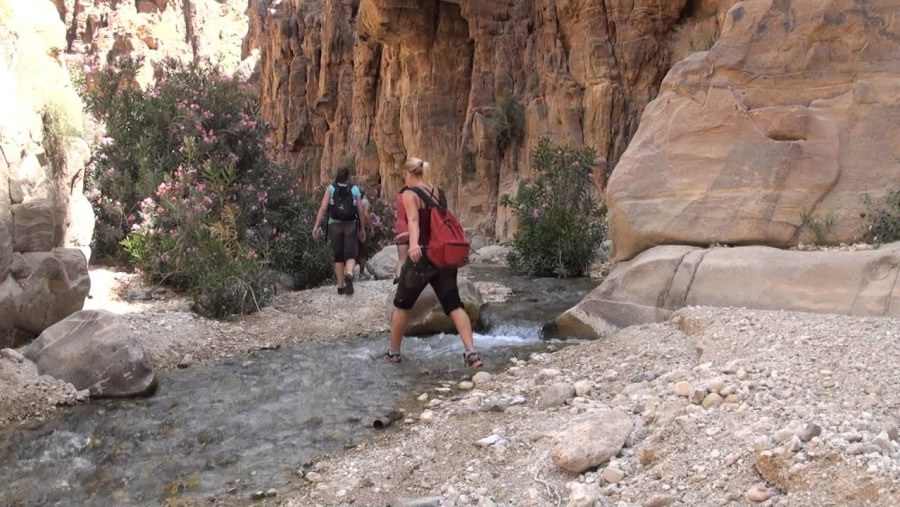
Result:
<point x="415" y="253"/>
<point x="317" y="232"/>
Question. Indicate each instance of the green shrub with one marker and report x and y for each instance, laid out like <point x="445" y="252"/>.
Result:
<point x="509" y="122"/>
<point x="184" y="190"/>
<point x="561" y="226"/>
<point x="883" y="216"/>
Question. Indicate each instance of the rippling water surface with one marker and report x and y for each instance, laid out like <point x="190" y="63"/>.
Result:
<point x="250" y="422"/>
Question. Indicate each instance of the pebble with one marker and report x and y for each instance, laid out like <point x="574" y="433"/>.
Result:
<point x="659" y="501"/>
<point x="12" y="354"/>
<point x="428" y="417"/>
<point x="612" y="475"/>
<point x="809" y="432"/>
<point x="481" y="377"/>
<point x="716" y="385"/>
<point x="583" y="388"/>
<point x="758" y="494"/>
<point x="712" y="400"/>
<point x="489" y="440"/>
<point x="423" y="397"/>
<point x="683" y="389"/>
<point x="188" y="360"/>
<point x="465" y="385"/>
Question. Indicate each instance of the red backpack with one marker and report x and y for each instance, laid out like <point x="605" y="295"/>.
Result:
<point x="447" y="247"/>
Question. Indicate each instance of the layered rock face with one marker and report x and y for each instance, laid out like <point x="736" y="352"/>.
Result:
<point x="663" y="279"/>
<point x="368" y="83"/>
<point x="186" y="30"/>
<point x="794" y="110"/>
<point x="45" y="221"/>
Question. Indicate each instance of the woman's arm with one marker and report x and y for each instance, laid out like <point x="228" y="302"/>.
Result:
<point x="411" y="205"/>
<point x="317" y="229"/>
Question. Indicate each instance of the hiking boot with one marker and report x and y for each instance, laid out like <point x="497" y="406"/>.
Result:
<point x="392" y="358"/>
<point x="472" y="360"/>
<point x="348" y="284"/>
<point x="341" y="290"/>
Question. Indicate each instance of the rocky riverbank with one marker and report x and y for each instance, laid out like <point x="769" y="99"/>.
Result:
<point x="718" y="406"/>
<point x="714" y="406"/>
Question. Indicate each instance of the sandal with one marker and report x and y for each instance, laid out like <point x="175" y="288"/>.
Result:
<point x="392" y="358"/>
<point x="341" y="290"/>
<point x="473" y="360"/>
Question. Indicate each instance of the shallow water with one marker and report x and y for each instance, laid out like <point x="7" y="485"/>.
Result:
<point x="250" y="422"/>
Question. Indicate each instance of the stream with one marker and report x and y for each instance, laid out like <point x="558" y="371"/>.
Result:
<point x="250" y="422"/>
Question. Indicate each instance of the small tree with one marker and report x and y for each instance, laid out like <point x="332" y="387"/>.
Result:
<point x="561" y="225"/>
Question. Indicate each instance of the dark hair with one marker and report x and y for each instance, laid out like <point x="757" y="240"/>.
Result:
<point x="343" y="175"/>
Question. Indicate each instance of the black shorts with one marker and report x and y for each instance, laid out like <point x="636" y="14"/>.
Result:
<point x="344" y="240"/>
<point x="414" y="276"/>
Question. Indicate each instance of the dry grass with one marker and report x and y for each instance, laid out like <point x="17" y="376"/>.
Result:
<point x="694" y="34"/>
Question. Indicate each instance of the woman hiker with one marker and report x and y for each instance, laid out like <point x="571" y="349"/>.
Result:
<point x="344" y="205"/>
<point x="417" y="271"/>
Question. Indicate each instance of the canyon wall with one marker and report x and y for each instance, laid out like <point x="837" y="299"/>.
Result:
<point x="45" y="220"/>
<point x="470" y="86"/>
<point x="186" y="30"/>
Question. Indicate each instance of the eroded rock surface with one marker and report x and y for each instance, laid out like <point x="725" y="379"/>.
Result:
<point x="793" y="110"/>
<point x="663" y="279"/>
<point x="44" y="228"/>
<point x="94" y="350"/>
<point x="369" y="83"/>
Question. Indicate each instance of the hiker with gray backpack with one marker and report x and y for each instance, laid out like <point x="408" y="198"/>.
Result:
<point x="343" y="203"/>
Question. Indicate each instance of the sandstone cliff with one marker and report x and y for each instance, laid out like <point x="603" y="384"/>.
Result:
<point x="794" y="110"/>
<point x="468" y="85"/>
<point x="42" y="205"/>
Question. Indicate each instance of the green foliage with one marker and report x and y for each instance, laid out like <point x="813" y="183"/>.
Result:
<point x="561" y="226"/>
<point x="819" y="227"/>
<point x="467" y="163"/>
<point x="58" y="124"/>
<point x="184" y="190"/>
<point x="883" y="216"/>
<point x="509" y="122"/>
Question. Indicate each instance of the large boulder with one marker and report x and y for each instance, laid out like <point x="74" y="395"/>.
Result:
<point x="793" y="110"/>
<point x="591" y="440"/>
<point x="41" y="289"/>
<point x="663" y="279"/>
<point x="95" y="350"/>
<point x="382" y="264"/>
<point x="427" y="317"/>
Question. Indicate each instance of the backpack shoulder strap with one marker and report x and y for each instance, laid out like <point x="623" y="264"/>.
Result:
<point x="427" y="199"/>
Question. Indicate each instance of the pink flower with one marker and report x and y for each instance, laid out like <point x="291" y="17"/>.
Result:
<point x="536" y="213"/>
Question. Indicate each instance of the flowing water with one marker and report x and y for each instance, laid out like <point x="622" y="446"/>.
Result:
<point x="250" y="422"/>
